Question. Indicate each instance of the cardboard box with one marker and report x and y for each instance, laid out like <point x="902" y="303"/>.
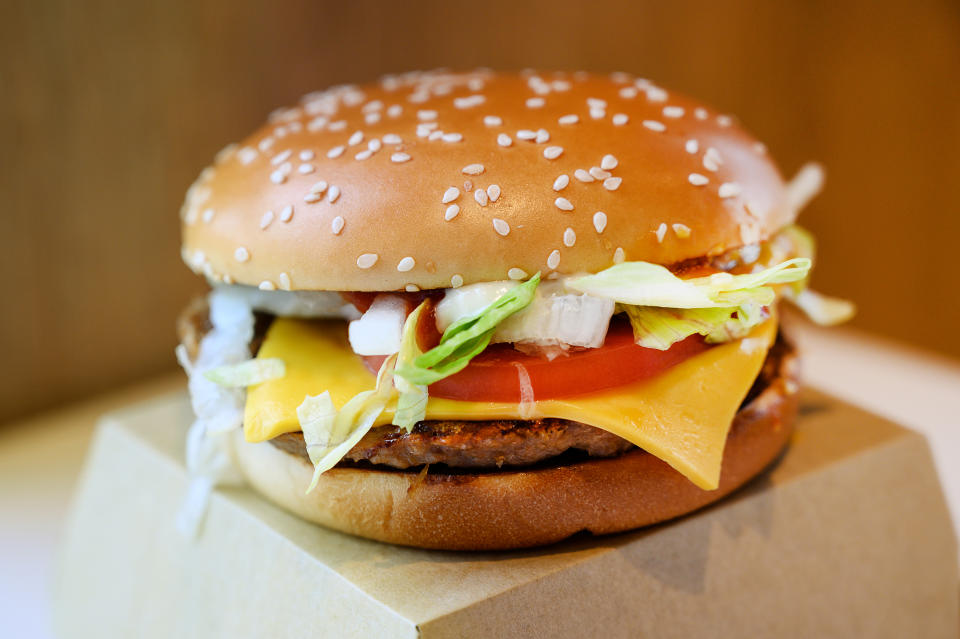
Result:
<point x="848" y="536"/>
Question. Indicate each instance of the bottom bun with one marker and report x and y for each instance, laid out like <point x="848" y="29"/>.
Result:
<point x="523" y="507"/>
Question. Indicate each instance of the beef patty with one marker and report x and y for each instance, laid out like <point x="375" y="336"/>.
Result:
<point x="473" y="444"/>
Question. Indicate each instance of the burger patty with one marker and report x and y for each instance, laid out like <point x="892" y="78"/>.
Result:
<point x="473" y="444"/>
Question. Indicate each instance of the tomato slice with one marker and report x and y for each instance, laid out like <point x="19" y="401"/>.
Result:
<point x="493" y="375"/>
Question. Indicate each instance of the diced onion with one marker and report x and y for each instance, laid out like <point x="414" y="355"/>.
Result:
<point x="378" y="331"/>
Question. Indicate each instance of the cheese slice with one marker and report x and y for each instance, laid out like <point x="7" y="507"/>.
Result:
<point x="681" y="416"/>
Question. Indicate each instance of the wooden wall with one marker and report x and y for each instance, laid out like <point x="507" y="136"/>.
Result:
<point x="109" y="109"/>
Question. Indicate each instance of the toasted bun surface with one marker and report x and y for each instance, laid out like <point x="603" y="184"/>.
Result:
<point x="516" y="509"/>
<point x="429" y="180"/>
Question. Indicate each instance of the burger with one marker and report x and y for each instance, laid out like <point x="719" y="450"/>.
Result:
<point x="493" y="310"/>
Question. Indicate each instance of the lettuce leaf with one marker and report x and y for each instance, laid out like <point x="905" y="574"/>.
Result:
<point x="646" y="284"/>
<point x="412" y="400"/>
<point x="248" y="373"/>
<point x="467" y="337"/>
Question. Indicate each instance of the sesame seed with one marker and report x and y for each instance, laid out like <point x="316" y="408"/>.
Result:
<point x="561" y="182"/>
<point x="729" y="189"/>
<point x="492" y="120"/>
<point x="599" y="173"/>
<point x="628" y="93"/>
<point x="481" y="197"/>
<point x="563" y="204"/>
<point x="620" y="119"/>
<point x="619" y="256"/>
<point x="286" y="213"/>
<point x="426" y="114"/>
<point x="336" y="152"/>
<point x="280" y="157"/>
<point x="356" y="138"/>
<point x="598" y="114"/>
<point x="673" y="112"/>
<point x="435" y="135"/>
<point x="599" y="221"/>
<point x="400" y="157"/>
<point x="553" y="260"/>
<point x="535" y="103"/>
<point x="319" y="187"/>
<point x="543" y="136"/>
<point x="472" y="169"/>
<point x="306" y="155"/>
<point x="569" y="237"/>
<point x="493" y="192"/>
<point x="246" y="155"/>
<point x="411" y="288"/>
<point x="724" y="120"/>
<point x="456" y="281"/>
<point x="655" y="125"/>
<point x="266" y="219"/>
<point x="609" y="162"/>
<point x="333" y="194"/>
<point x="661" y="232"/>
<point x="517" y="274"/>
<point x="312" y="197"/>
<point x="280" y="175"/>
<point x="692" y="146"/>
<point x="501" y="226"/>
<point x="504" y="140"/>
<point x="760" y="148"/>
<point x="336" y="225"/>
<point x="265" y="144"/>
<point x="712" y="159"/>
<point x="394" y="110"/>
<point x="469" y="101"/>
<point x="553" y="152"/>
<point x="451" y="212"/>
<point x="700" y="113"/>
<point x="392" y="138"/>
<point x="371" y="118"/>
<point x="374" y="145"/>
<point x="612" y="183"/>
<point x="596" y="103"/>
<point x="267" y="285"/>
<point x="568" y="119"/>
<point x="451" y="194"/>
<point x="367" y="260"/>
<point x="406" y="264"/>
<point x="682" y="231"/>
<point x="305" y="169"/>
<point x="583" y="176"/>
<point x="656" y="94"/>
<point x="241" y="254"/>
<point x="207" y="216"/>
<point x="363" y="155"/>
<point x="452" y="137"/>
<point x="526" y="134"/>
<point x="284" y="281"/>
<point x="697" y="180"/>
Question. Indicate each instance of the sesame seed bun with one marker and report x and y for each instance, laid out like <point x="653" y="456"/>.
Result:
<point x="525" y="507"/>
<point x="436" y="179"/>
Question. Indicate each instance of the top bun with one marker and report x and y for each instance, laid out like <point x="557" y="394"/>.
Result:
<point x="431" y="180"/>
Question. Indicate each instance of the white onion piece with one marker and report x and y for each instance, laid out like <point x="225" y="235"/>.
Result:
<point x="527" y="405"/>
<point x="378" y="331"/>
<point x="294" y="303"/>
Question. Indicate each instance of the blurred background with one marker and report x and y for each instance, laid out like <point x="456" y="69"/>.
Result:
<point x="108" y="110"/>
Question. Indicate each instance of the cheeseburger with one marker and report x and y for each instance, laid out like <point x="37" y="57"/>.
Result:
<point x="492" y="310"/>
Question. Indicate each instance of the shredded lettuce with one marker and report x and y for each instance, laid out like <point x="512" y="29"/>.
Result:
<point x="412" y="400"/>
<point x="646" y="284"/>
<point x="248" y="373"/>
<point x="330" y="437"/>
<point x="821" y="309"/>
<point x="467" y="337"/>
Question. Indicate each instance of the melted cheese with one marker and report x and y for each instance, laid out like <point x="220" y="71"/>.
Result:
<point x="681" y="416"/>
